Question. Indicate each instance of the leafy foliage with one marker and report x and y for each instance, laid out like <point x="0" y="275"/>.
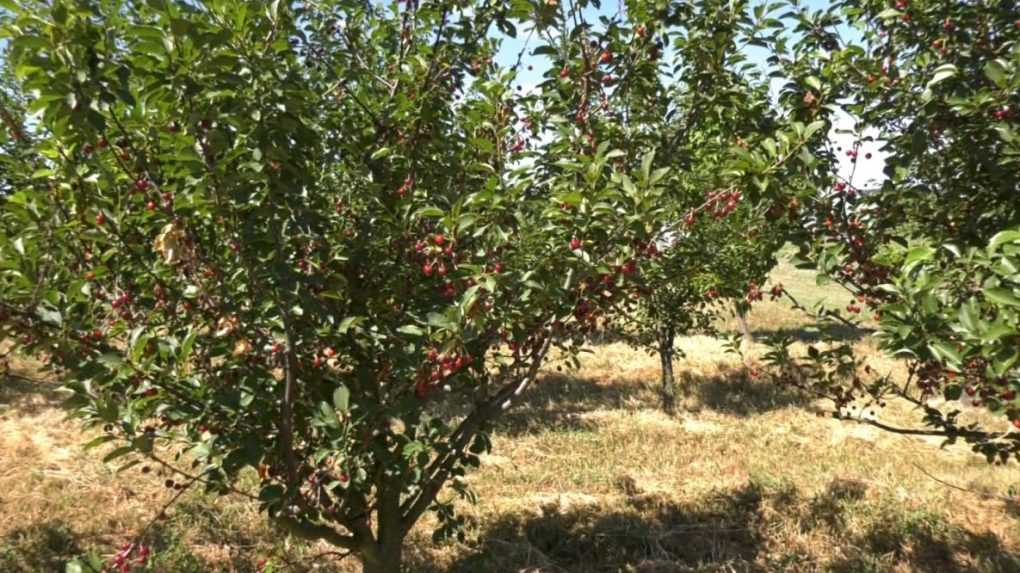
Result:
<point x="932" y="252"/>
<point x="328" y="243"/>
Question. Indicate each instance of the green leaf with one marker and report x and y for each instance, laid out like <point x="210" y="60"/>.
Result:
<point x="432" y="212"/>
<point x="1000" y="295"/>
<point x="968" y="317"/>
<point x="943" y="73"/>
<point x="411" y="449"/>
<point x="50" y="316"/>
<point x="127" y="466"/>
<point x="119" y="452"/>
<point x="411" y="329"/>
<point x="342" y="398"/>
<point x="1003" y="237"/>
<point x="348" y="323"/>
<point x="945" y="352"/>
<point x="996" y="72"/>
<point x="813" y="128"/>
<point x="997" y="331"/>
<point x="916" y="256"/>
<point x="95" y="442"/>
<point x="187" y="346"/>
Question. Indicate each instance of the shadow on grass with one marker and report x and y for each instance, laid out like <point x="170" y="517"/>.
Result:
<point x="734" y="393"/>
<point x="21" y="393"/>
<point x="648" y="533"/>
<point x="558" y="401"/>
<point x="749" y="528"/>
<point x="38" y="547"/>
<point x="49" y="546"/>
<point x="838" y="332"/>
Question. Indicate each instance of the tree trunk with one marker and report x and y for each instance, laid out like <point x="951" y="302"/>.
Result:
<point x="384" y="555"/>
<point x="741" y="314"/>
<point x="666" y="338"/>
<point x="382" y="558"/>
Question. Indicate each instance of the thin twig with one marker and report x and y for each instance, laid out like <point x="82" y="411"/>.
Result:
<point x="963" y="489"/>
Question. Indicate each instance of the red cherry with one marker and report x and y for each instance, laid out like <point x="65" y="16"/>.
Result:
<point x="142" y="184"/>
<point x="439" y="239"/>
<point x="426" y="269"/>
<point x="421" y="390"/>
<point x="1016" y="422"/>
<point x="102" y="143"/>
<point x="606" y="57"/>
<point x="328" y="352"/>
<point x="100" y="219"/>
<point x="151" y="205"/>
<point x="575" y="244"/>
<point x="497" y="268"/>
<point x="441" y="270"/>
<point x="276" y="348"/>
<point x="565" y="72"/>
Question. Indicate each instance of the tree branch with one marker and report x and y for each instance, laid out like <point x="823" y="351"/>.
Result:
<point x="440" y="468"/>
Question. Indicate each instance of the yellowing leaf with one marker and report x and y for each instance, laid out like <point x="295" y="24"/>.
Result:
<point x="170" y="243"/>
<point x="226" y="325"/>
<point x="242" y="347"/>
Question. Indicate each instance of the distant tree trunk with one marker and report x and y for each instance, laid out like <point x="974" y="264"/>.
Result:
<point x="741" y="313"/>
<point x="666" y="338"/>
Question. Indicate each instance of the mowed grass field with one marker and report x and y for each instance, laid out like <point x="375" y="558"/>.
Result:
<point x="587" y="476"/>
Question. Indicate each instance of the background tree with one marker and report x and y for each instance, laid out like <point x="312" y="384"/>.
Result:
<point x="712" y="111"/>
<point x="934" y="252"/>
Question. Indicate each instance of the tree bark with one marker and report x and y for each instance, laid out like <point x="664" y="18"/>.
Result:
<point x="666" y="338"/>
<point x="742" y="324"/>
<point x="384" y="555"/>
<point x="382" y="558"/>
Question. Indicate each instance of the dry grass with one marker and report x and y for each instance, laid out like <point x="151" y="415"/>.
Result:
<point x="587" y="476"/>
